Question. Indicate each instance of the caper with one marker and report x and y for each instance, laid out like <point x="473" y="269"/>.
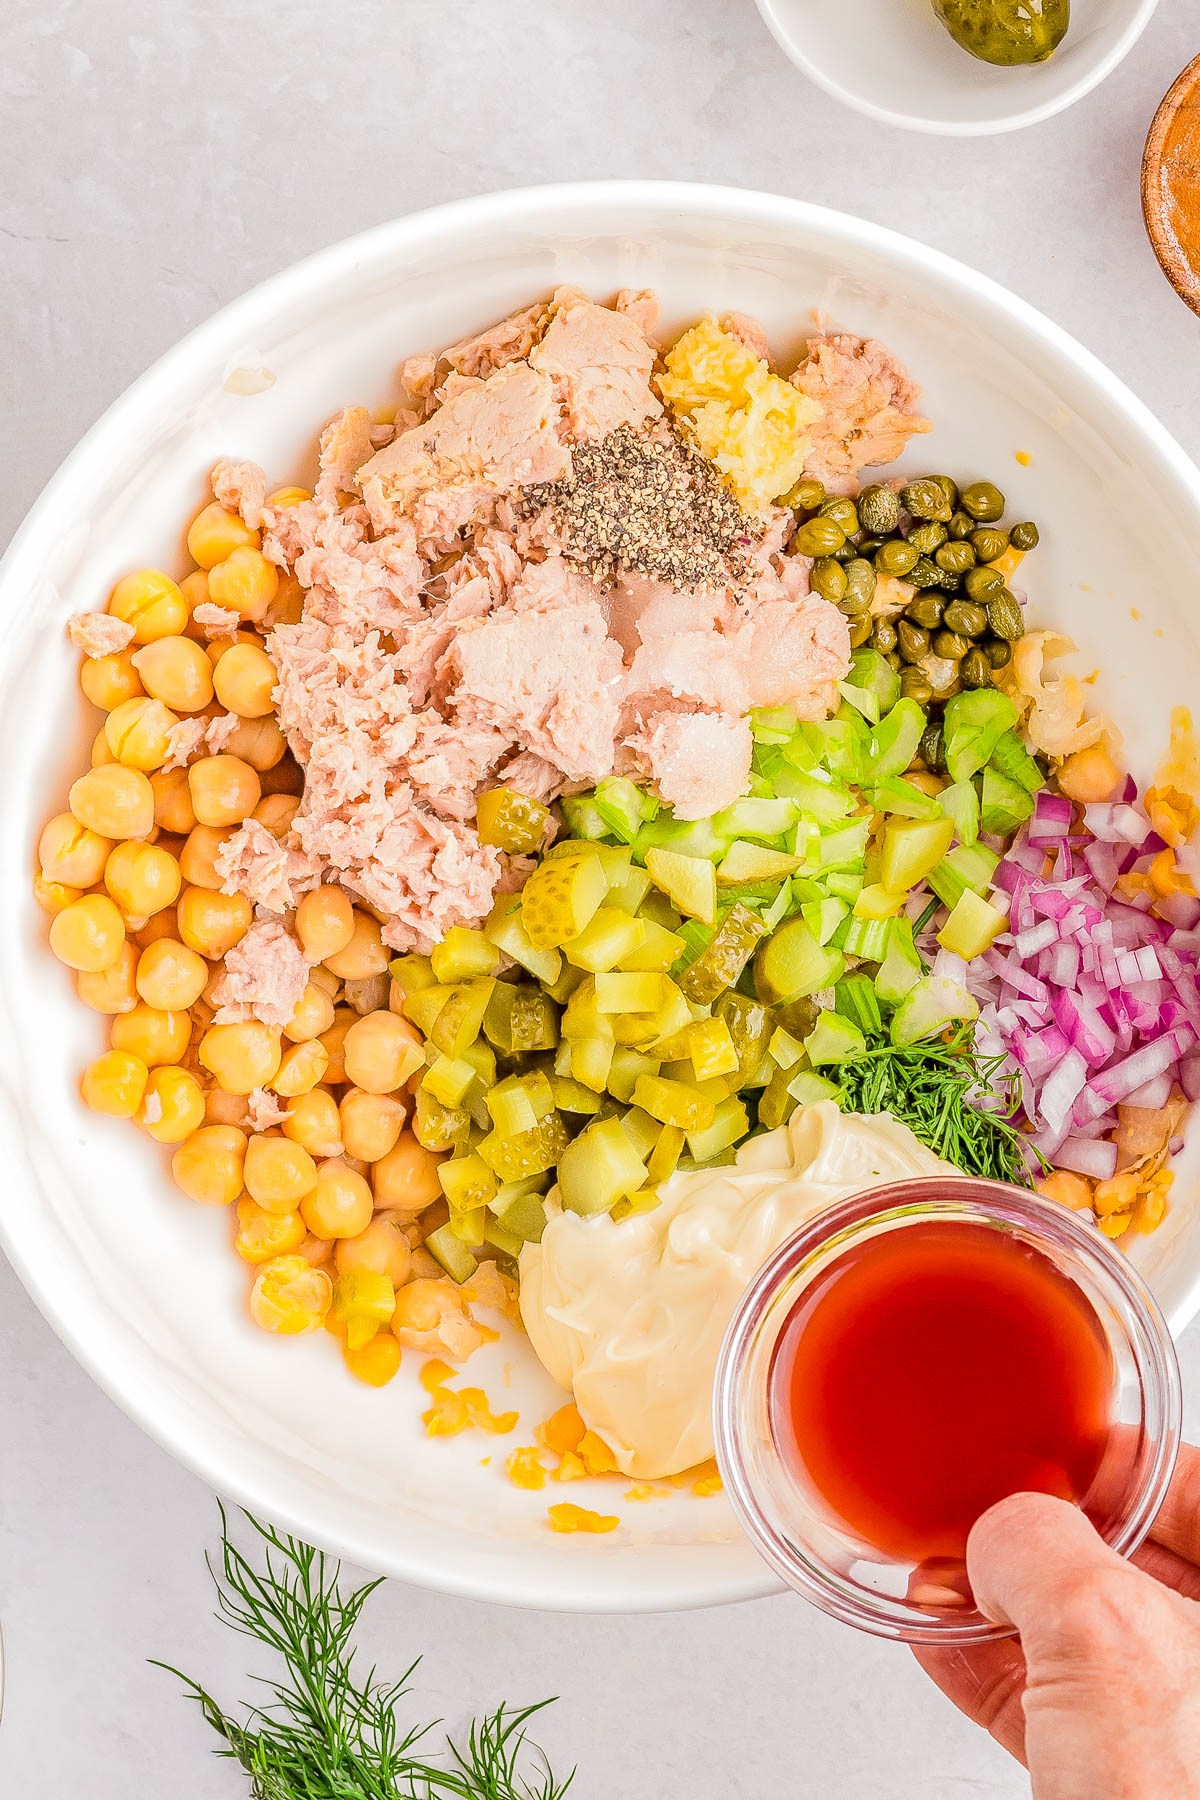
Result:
<point x="854" y="602"/>
<point x="926" y="499"/>
<point x="808" y="494"/>
<point x="819" y="537"/>
<point x="1024" y="536"/>
<point x="950" y="644"/>
<point x="930" y="747"/>
<point x="947" y="580"/>
<point x="980" y="581"/>
<point x="913" y="640"/>
<point x="961" y="525"/>
<point x="988" y="543"/>
<point x="925" y="573"/>
<point x="914" y="685"/>
<point x="860" y="630"/>
<point x="927" y="537"/>
<point x="896" y="557"/>
<point x="828" y="578"/>
<point x="965" y="617"/>
<point x="884" y="636"/>
<point x="984" y="501"/>
<point x="949" y="487"/>
<point x="955" y="557"/>
<point x="860" y="577"/>
<point x="1005" y="616"/>
<point x="997" y="652"/>
<point x="976" y="669"/>
<point x="893" y="660"/>
<point x="879" y="509"/>
<point x="867" y="546"/>
<point x="843" y="510"/>
<point x="927" y="609"/>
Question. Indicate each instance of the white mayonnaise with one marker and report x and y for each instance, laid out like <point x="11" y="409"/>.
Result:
<point x="631" y="1315"/>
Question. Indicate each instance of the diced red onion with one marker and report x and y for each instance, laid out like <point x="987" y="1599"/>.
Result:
<point x="1094" y="1157"/>
<point x="1156" y="1093"/>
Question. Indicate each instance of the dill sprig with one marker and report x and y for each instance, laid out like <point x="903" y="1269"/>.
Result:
<point x="949" y="1096"/>
<point x="329" y="1732"/>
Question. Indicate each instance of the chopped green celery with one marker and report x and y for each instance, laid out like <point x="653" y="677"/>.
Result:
<point x="878" y="902"/>
<point x="864" y="702"/>
<point x="745" y="862"/>
<point x="509" y="1243"/>
<point x="775" y="1104"/>
<point x="960" y="802"/>
<point x="895" y="739"/>
<point x="560" y="898"/>
<point x="624" y="807"/>
<point x="1005" y="805"/>
<point x="690" y="882"/>
<point x="855" y="999"/>
<point x="630" y="889"/>
<point x="784" y="1048"/>
<point x="823" y="917"/>
<point x="637" y="991"/>
<point x="467" y="1181"/>
<point x="772" y="724"/>
<point x="460" y="1021"/>
<point x="750" y="1026"/>
<point x="844" y="847"/>
<point x="666" y="1153"/>
<point x="722" y="958"/>
<point x="626" y="1068"/>
<point x="844" y="884"/>
<point x="780" y="906"/>
<point x="448" y="1079"/>
<point x="766" y="760"/>
<point x="966" y="866"/>
<point x="753" y="818"/>
<point x="686" y="837"/>
<point x="571" y="1096"/>
<point x="711" y="1049"/>
<point x="463" y="953"/>
<point x="807" y="887"/>
<point x="696" y="938"/>
<point x="869" y="670"/>
<point x="528" y="1153"/>
<point x="931" y="1004"/>
<point x="422" y="1006"/>
<point x="730" y="1124"/>
<point x="895" y="795"/>
<point x="438" y="1127"/>
<point x="798" y="753"/>
<point x="609" y="935"/>
<point x="581" y="816"/>
<point x="791" y="963"/>
<point x="504" y="928"/>
<point x="520" y="1019"/>
<point x="642" y="1131"/>
<point x="523" y="1213"/>
<point x="808" y="1089"/>
<point x="832" y="1039"/>
<point x="599" y="1167"/>
<point x="909" y="848"/>
<point x="817" y="799"/>
<point x="972" y="927"/>
<point x="1011" y="758"/>
<point x="867" y="938"/>
<point x="754" y="895"/>
<point x="453" y="1255"/>
<point x="973" y="724"/>
<point x="591" y="1060"/>
<point x="672" y="1103"/>
<point x="411" y="972"/>
<point x="900" y="967"/>
<point x="363" y="1301"/>
<point x="841" y="745"/>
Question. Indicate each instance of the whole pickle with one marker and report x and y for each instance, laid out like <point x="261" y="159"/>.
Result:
<point x="1006" y="32"/>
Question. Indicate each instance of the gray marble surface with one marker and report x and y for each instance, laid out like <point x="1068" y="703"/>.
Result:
<point x="159" y="159"/>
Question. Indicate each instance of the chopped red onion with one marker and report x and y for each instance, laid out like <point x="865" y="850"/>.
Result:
<point x="1093" y="1157"/>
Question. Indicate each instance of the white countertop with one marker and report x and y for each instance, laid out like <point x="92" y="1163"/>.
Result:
<point x="163" y="158"/>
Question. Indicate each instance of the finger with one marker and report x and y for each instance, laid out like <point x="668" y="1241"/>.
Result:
<point x="1178" y="1523"/>
<point x="1028" y="1558"/>
<point x="987" y="1683"/>
<point x="1172" y="1571"/>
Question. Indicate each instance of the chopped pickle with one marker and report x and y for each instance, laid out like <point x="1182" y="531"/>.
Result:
<point x="665" y="1154"/>
<point x="910" y="848"/>
<point x="520" y="1019"/>
<point x="644" y="1201"/>
<point x="624" y="993"/>
<point x="658" y="951"/>
<point x="632" y="888"/>
<point x="744" y="862"/>
<point x="448" y="1079"/>
<point x="467" y="1182"/>
<point x="657" y="908"/>
<point x="412" y="972"/>
<point x="972" y="925"/>
<point x="642" y="1131"/>
<point x="807" y="1088"/>
<point x="524" y="1215"/>
<point x="572" y="1097"/>
<point x="750" y="1026"/>
<point x="730" y="1123"/>
<point x="718" y="966"/>
<point x="610" y="935"/>
<point x="673" y="1104"/>
<point x="878" y="902"/>
<point x="591" y="1060"/>
<point x="509" y="1243"/>
<point x="582" y="1018"/>
<point x="790" y="963"/>
<point x="505" y="929"/>
<point x="520" y="1102"/>
<point x="528" y="1153"/>
<point x="690" y="881"/>
<point x="362" y="1302"/>
<point x="453" y="1255"/>
<point x="510" y="820"/>
<point x="460" y="1020"/>
<point x="439" y="1127"/>
<point x="711" y="1049"/>
<point x="560" y="898"/>
<point x="422" y="1006"/>
<point x="776" y="1105"/>
<point x="463" y="953"/>
<point x="784" y="1049"/>
<point x="626" y="1067"/>
<point x="599" y="1167"/>
<point x="469" y="1227"/>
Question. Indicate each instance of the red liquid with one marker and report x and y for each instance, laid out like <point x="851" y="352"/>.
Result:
<point x="933" y="1370"/>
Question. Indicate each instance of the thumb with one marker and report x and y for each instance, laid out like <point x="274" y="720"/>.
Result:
<point x="1030" y="1559"/>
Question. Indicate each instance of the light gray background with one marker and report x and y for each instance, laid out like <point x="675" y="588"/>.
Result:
<point x="158" y="159"/>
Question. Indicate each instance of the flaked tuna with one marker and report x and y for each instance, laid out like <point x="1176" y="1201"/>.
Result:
<point x="99" y="634"/>
<point x="240" y="487"/>
<point x="867" y="400"/>
<point x="600" y="363"/>
<point x="699" y="761"/>
<point x="270" y="872"/>
<point x="264" y="977"/>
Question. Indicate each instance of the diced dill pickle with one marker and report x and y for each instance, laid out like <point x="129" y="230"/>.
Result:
<point x="711" y="1049"/>
<point x="673" y="1104"/>
<point x="665" y="1154"/>
<point x="791" y="963"/>
<point x="599" y="1167"/>
<point x="412" y="972"/>
<point x="591" y="1060"/>
<point x="569" y="978"/>
<point x="775" y="1104"/>
<point x="467" y="1182"/>
<point x="448" y="1079"/>
<point x="636" y="1030"/>
<point x="671" y="1016"/>
<point x="658" y="909"/>
<point x="509" y="1243"/>
<point x="629" y="890"/>
<point x="645" y="1200"/>
<point x="571" y="1096"/>
<point x="560" y="898"/>
<point x="713" y="1087"/>
<point x="362" y="1302"/>
<point x="750" y="1026"/>
<point x="520" y="1019"/>
<point x="470" y="1226"/>
<point x="608" y="936"/>
<point x="784" y="1048"/>
<point x="642" y="1131"/>
<point x="730" y="1124"/>
<point x="659" y="950"/>
<point x="581" y="1018"/>
<point x="463" y="953"/>
<point x="689" y="881"/>
<point x="524" y="1216"/>
<point x="511" y="1109"/>
<point x="626" y="1067"/>
<point x="504" y="928"/>
<point x="511" y="820"/>
<point x="460" y="1021"/>
<point x="624" y="993"/>
<point x="422" y="1006"/>
<point x="528" y="1153"/>
<point x="438" y="1127"/>
<point x="718" y="967"/>
<point x="453" y="1255"/>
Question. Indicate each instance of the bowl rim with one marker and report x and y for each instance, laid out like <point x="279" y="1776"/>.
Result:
<point x="1137" y="22"/>
<point x="84" y="1334"/>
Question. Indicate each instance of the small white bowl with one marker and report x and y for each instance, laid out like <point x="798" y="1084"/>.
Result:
<point x="895" y="61"/>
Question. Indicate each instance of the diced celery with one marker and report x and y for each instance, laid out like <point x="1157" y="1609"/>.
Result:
<point x="658" y="951"/>
<point x="745" y="862"/>
<point x="779" y="908"/>
<point x="843" y="847"/>
<point x="672" y="1103"/>
<point x="909" y="848"/>
<point x="623" y="806"/>
<point x="665" y="1154"/>
<point x="869" y="670"/>
<point x="560" y="898"/>
<point x="960" y="802"/>
<point x="842" y="744"/>
<point x="809" y="1089"/>
<point x="1005" y="804"/>
<point x="571" y="1096"/>
<point x="823" y="917"/>
<point x="791" y="963"/>
<point x="855" y="999"/>
<point x="1011" y="758"/>
<point x="463" y="953"/>
<point x="689" y="881"/>
<point x="642" y="1131"/>
<point x="599" y="1167"/>
<point x="625" y="1069"/>
<point x="832" y="1039"/>
<point x="776" y="1105"/>
<point x="453" y="1255"/>
<point x="448" y="1078"/>
<point x="505" y="929"/>
<point x="772" y="724"/>
<point x="422" y="1006"/>
<point x="467" y="1182"/>
<point x="930" y="1005"/>
<point x="845" y="884"/>
<point x="730" y="1124"/>
<point x="784" y="1048"/>
<point x="972" y="927"/>
<point x="966" y="866"/>
<point x="864" y="702"/>
<point x="868" y="938"/>
<point x="972" y="726"/>
<point x="878" y="902"/>
<point x="750" y="1027"/>
<point x="460" y="1021"/>
<point x="895" y="795"/>
<point x="581" y="817"/>
<point x="438" y="1127"/>
<point x="752" y="818"/>
<point x="591" y="1060"/>
<point x="509" y="1243"/>
<point x="895" y="739"/>
<point x="609" y="935"/>
<point x="901" y="967"/>
<point x="528" y="1153"/>
<point x="685" y="837"/>
<point x="628" y="890"/>
<point x="620" y="991"/>
<point x="711" y="1049"/>
<point x="411" y="972"/>
<point x="816" y="799"/>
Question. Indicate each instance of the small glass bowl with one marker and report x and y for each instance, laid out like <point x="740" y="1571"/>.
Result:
<point x="812" y="1551"/>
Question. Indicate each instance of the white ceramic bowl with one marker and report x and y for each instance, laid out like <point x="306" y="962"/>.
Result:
<point x="142" y="1285"/>
<point x="895" y="61"/>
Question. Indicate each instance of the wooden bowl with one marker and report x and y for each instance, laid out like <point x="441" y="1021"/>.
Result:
<point x="1171" y="185"/>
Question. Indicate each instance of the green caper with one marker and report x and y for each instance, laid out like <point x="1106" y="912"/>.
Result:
<point x="879" y="509"/>
<point x="854" y="602"/>
<point x="984" y="501"/>
<point x="860" y="630"/>
<point x="913" y="640"/>
<point x="867" y="546"/>
<point x="947" y="580"/>
<point x="884" y="636"/>
<point x="997" y="652"/>
<point x="843" y="509"/>
<point x="819" y="537"/>
<point x="989" y="543"/>
<point x="925" y="573"/>
<point x="980" y="581"/>
<point x="828" y="578"/>
<point x="894" y="660"/>
<point x="965" y="617"/>
<point x="1024" y="536"/>
<point x="1006" y="32"/>
<point x="950" y="644"/>
<point x="926" y="499"/>
<point x="949" y="487"/>
<point x="808" y="494"/>
<point x="930" y="747"/>
<point x="914" y="685"/>
<point x="927" y="609"/>
<point x="896" y="557"/>
<point x="1005" y="616"/>
<point x="860" y="577"/>
<point x="961" y="525"/>
<point x="927" y="537"/>
<point x="976" y="670"/>
<point x="955" y="557"/>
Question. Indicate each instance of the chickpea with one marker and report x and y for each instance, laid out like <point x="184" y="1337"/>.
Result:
<point x="224" y="789"/>
<point x="114" y="801"/>
<point x="115" y="1083"/>
<point x="364" y="954"/>
<point x="313" y="1121"/>
<point x="262" y="1234"/>
<point x="221" y="1108"/>
<point x="259" y="742"/>
<point x="150" y="602"/>
<point x="422" y="1305"/>
<point x="109" y="680"/>
<point x="285" y="497"/>
<point x="244" y="680"/>
<point x="278" y="1173"/>
<point x="302" y="1067"/>
<point x="71" y="853"/>
<point x="52" y="896"/>
<point x="316" y="1251"/>
<point x="176" y="671"/>
<point x="138" y="733"/>
<point x="172" y="801"/>
<point x="170" y="976"/>
<point x="382" y="1249"/>
<point x="405" y="1180"/>
<point x="194" y="588"/>
<point x="380" y="1052"/>
<point x="142" y="878"/>
<point x="333" y="1039"/>
<point x="111" y="990"/>
<point x="214" y="533"/>
<point x="245" y="582"/>
<point x="101" y="751"/>
<point x="241" y="1057"/>
<point x="324" y="922"/>
<point x="173" y="1105"/>
<point x="198" y="859"/>
<point x="313" y="1016"/>
<point x="158" y="1036"/>
<point x="212" y="923"/>
<point x="371" y="1123"/>
<point x="340" y="1205"/>
<point x="88" y="934"/>
<point x="275" y="813"/>
<point x="290" y="1296"/>
<point x="1089" y="775"/>
<point x="208" y="1164"/>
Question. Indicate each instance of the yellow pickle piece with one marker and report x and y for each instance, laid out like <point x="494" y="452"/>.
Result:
<point x="511" y="821"/>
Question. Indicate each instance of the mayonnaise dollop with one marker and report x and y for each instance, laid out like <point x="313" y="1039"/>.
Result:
<point x="631" y="1315"/>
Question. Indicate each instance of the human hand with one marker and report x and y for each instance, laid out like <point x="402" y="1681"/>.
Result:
<point x="1100" y="1697"/>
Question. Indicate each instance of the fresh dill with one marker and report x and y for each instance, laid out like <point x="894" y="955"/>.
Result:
<point x="328" y="1730"/>
<point x="949" y="1096"/>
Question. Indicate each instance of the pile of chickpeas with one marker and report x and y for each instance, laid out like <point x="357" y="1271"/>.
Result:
<point x="333" y="1202"/>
